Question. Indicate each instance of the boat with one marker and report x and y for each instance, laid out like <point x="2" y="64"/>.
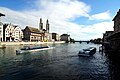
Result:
<point x="2" y="46"/>
<point x="87" y="52"/>
<point x="33" y="49"/>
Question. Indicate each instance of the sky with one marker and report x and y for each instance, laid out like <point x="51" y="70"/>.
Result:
<point x="81" y="19"/>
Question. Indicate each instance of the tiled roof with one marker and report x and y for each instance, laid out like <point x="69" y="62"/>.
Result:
<point x="65" y="35"/>
<point x="34" y="30"/>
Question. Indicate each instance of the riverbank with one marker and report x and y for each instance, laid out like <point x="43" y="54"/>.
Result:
<point x="30" y="43"/>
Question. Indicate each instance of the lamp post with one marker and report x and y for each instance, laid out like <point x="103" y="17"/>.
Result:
<point x="1" y="14"/>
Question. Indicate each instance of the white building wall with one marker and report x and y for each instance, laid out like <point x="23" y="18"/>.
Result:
<point x="15" y="32"/>
<point x="18" y="34"/>
<point x="1" y="31"/>
<point x="9" y="32"/>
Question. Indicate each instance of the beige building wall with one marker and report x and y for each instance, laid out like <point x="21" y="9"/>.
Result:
<point x="58" y="37"/>
<point x="48" y="37"/>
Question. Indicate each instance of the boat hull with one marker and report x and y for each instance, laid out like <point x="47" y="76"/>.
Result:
<point x="33" y="50"/>
<point x="87" y="52"/>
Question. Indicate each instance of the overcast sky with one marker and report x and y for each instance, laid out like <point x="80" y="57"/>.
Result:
<point x="82" y="19"/>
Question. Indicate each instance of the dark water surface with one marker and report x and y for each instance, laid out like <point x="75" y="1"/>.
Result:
<point x="60" y="63"/>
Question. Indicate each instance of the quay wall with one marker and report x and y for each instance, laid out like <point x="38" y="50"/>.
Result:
<point x="30" y="43"/>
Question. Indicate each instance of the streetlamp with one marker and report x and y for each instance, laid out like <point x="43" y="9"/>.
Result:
<point x="1" y="14"/>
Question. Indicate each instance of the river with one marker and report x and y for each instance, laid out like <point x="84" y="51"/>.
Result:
<point x="60" y="63"/>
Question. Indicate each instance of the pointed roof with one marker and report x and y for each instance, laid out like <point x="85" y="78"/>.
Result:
<point x="1" y="14"/>
<point x="40" y="20"/>
<point x="118" y="13"/>
<point x="47" y="21"/>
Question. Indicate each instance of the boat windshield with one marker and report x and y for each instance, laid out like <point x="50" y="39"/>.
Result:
<point x="88" y="49"/>
<point x="25" y="48"/>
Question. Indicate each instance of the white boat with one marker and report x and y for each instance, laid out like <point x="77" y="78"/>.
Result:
<point x="87" y="52"/>
<point x="33" y="49"/>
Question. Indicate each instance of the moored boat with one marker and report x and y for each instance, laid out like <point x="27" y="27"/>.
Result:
<point x="87" y="52"/>
<point x="2" y="46"/>
<point x="33" y="49"/>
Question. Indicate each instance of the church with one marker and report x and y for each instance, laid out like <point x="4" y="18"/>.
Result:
<point x="41" y="34"/>
<point x="45" y="34"/>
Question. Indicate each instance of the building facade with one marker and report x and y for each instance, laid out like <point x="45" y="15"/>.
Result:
<point x="45" y="35"/>
<point x="12" y="33"/>
<point x="1" y="31"/>
<point x="65" y="37"/>
<point x="116" y="20"/>
<point x="41" y="34"/>
<point x="55" y="37"/>
<point x="18" y="34"/>
<point x="114" y="38"/>
<point x="31" y="34"/>
<point x="106" y="35"/>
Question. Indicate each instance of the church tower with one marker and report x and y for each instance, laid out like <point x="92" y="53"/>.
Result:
<point x="47" y="26"/>
<point x="40" y="25"/>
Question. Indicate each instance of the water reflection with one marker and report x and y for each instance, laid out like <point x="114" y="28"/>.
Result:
<point x="61" y="63"/>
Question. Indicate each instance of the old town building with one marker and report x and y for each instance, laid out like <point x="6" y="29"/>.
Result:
<point x="12" y="33"/>
<point x="31" y="34"/>
<point x="116" y="20"/>
<point x="55" y="37"/>
<point x="114" y="38"/>
<point x="106" y="35"/>
<point x="18" y="33"/>
<point x="45" y="35"/>
<point x="1" y="28"/>
<point x="34" y="34"/>
<point x="65" y="37"/>
<point x="1" y="31"/>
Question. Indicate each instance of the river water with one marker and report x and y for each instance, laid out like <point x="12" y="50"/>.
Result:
<point x="60" y="63"/>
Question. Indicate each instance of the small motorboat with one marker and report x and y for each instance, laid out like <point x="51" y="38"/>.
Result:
<point x="87" y="52"/>
<point x="2" y="46"/>
<point x="33" y="49"/>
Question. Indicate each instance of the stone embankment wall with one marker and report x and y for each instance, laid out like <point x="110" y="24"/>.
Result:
<point x="29" y="43"/>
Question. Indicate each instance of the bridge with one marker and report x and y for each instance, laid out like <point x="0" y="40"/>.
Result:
<point x="82" y="41"/>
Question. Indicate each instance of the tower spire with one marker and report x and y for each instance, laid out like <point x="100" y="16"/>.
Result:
<point x="47" y="26"/>
<point x="40" y="25"/>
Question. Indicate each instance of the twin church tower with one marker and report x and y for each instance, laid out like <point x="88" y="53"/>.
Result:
<point x="41" y="26"/>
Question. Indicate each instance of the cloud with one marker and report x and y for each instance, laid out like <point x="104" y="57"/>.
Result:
<point x="17" y="18"/>
<point x="60" y="13"/>
<point x="100" y="16"/>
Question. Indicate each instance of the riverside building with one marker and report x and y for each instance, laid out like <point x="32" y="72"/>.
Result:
<point x="31" y="34"/>
<point x="114" y="38"/>
<point x="45" y="34"/>
<point x="34" y="34"/>
<point x="1" y="31"/>
<point x="12" y="32"/>
<point x="65" y="37"/>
